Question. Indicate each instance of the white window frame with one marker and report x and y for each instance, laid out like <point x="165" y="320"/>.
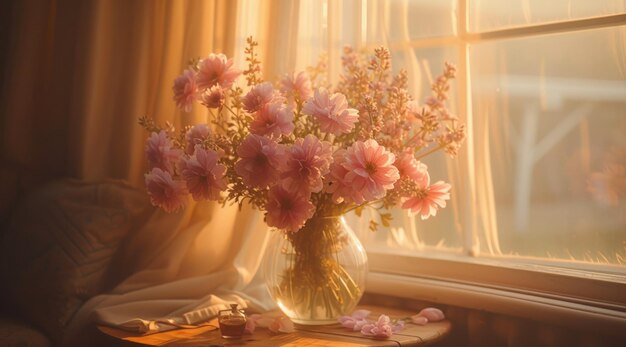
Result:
<point x="536" y="289"/>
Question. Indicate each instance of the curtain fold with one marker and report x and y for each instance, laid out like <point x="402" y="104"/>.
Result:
<point x="78" y="74"/>
<point x="137" y="49"/>
<point x="44" y="56"/>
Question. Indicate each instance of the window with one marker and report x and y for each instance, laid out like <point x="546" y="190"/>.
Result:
<point x="539" y="192"/>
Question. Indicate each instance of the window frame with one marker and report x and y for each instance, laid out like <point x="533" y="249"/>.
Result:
<point x="536" y="306"/>
<point x="543" y="290"/>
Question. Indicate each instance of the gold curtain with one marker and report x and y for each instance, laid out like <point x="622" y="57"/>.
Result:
<point x="80" y="73"/>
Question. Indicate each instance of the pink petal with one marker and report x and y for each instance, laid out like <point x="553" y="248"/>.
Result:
<point x="383" y="319"/>
<point x="281" y="325"/>
<point x="398" y="326"/>
<point x="361" y="314"/>
<point x="250" y="326"/>
<point x="347" y="322"/>
<point x="368" y="329"/>
<point x="264" y="322"/>
<point x="419" y="320"/>
<point x="432" y="314"/>
<point x="286" y="325"/>
<point x="358" y="325"/>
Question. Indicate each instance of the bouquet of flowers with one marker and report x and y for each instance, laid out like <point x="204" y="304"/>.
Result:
<point x="300" y="147"/>
<point x="301" y="150"/>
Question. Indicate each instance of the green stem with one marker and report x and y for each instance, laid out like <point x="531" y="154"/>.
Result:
<point x="231" y="110"/>
<point x="430" y="151"/>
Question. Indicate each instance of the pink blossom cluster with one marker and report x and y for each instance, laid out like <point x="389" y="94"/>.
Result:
<point x="205" y="81"/>
<point x="384" y="327"/>
<point x="175" y="173"/>
<point x="293" y="148"/>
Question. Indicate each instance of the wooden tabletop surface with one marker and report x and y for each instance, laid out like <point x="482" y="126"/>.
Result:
<point x="323" y="335"/>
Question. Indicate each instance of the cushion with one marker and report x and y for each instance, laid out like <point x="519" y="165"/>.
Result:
<point x="59" y="244"/>
<point x="16" y="333"/>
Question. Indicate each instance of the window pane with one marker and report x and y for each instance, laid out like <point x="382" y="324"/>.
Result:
<point x="401" y="20"/>
<point x="441" y="231"/>
<point x="552" y="110"/>
<point x="486" y="15"/>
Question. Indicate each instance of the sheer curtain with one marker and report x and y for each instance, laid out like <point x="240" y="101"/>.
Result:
<point x="541" y="88"/>
<point x="549" y="111"/>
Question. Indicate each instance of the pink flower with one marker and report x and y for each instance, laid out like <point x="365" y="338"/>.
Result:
<point x="213" y="97"/>
<point x="259" y="96"/>
<point x="185" y="90"/>
<point x="216" y="69"/>
<point x="259" y="160"/>
<point x="370" y="171"/>
<point x="160" y="153"/>
<point x="307" y="162"/>
<point x="429" y="198"/>
<point x="336" y="185"/>
<point x="411" y="168"/>
<point x="195" y="136"/>
<point x="287" y="210"/>
<point x="165" y="192"/>
<point x="272" y="120"/>
<point x="204" y="176"/>
<point x="332" y="112"/>
<point x="356" y="321"/>
<point x="383" y="327"/>
<point x="429" y="314"/>
<point x="298" y="86"/>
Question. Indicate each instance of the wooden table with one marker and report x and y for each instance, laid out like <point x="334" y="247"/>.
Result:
<point x="326" y="335"/>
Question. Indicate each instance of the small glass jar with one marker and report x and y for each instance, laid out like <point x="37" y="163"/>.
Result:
<point x="232" y="322"/>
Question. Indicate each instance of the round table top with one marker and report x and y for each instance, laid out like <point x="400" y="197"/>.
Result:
<point x="322" y="335"/>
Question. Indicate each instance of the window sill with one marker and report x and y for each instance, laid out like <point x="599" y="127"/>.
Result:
<point x="563" y="299"/>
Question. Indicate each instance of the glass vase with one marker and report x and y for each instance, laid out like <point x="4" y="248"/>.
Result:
<point x="316" y="274"/>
